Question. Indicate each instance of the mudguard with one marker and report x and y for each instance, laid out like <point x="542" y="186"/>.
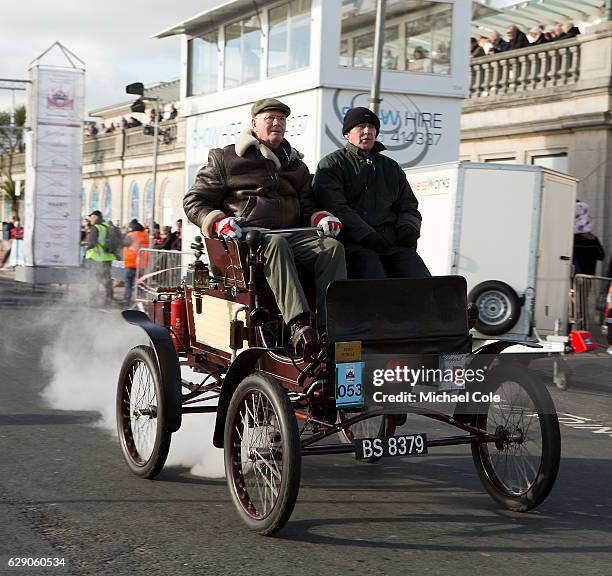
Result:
<point x="238" y="370"/>
<point x="498" y="346"/>
<point x="167" y="361"/>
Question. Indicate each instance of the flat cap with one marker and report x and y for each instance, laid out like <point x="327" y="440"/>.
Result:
<point x="269" y="104"/>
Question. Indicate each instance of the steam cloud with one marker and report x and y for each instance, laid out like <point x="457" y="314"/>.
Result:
<point x="85" y="357"/>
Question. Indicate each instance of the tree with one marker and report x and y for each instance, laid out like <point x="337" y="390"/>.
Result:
<point x="11" y="143"/>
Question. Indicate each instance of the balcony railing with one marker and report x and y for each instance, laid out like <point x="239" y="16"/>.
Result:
<point x="132" y="142"/>
<point x="172" y="137"/>
<point x="97" y="149"/>
<point x="527" y="70"/>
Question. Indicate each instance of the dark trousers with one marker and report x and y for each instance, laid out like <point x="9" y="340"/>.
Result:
<point x="100" y="276"/>
<point x="363" y="263"/>
<point x="130" y="275"/>
<point x="322" y="257"/>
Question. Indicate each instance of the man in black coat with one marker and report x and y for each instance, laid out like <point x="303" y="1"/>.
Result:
<point x="371" y="196"/>
<point x="516" y="38"/>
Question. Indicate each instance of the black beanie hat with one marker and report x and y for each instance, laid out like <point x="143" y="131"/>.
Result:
<point x="360" y="115"/>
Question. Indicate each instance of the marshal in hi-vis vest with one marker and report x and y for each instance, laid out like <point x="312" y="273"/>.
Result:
<point x="97" y="253"/>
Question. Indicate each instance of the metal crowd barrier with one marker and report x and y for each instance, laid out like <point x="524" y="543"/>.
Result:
<point x="591" y="306"/>
<point x="159" y="268"/>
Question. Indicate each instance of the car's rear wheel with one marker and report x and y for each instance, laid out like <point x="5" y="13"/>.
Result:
<point x="520" y="468"/>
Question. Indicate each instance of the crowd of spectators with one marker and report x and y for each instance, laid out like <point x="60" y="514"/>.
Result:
<point x="92" y="129"/>
<point x="516" y="38"/>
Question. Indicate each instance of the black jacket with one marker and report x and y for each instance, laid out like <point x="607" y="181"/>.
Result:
<point x="519" y="41"/>
<point x="587" y="251"/>
<point x="368" y="196"/>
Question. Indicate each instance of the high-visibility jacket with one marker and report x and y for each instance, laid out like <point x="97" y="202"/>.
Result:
<point x="97" y="253"/>
<point x="130" y="253"/>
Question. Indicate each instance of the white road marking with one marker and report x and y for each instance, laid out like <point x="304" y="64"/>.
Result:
<point x="583" y="423"/>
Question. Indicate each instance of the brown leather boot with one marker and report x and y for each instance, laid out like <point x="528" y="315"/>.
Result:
<point x="304" y="338"/>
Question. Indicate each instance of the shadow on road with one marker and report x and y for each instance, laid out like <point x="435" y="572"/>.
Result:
<point x="570" y="508"/>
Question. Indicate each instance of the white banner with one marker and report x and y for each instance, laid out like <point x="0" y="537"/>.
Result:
<point x="416" y="130"/>
<point x="60" y="94"/>
<point x="53" y="171"/>
<point x="58" y="148"/>
<point x="56" y="183"/>
<point x="54" y="240"/>
<point x="58" y="207"/>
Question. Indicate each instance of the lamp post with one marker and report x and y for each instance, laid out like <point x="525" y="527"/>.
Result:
<point x="379" y="40"/>
<point x="137" y="88"/>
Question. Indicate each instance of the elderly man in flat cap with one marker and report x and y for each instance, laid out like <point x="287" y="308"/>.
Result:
<point x="261" y="181"/>
<point x="370" y="194"/>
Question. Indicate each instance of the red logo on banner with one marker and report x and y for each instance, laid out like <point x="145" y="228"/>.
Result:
<point x="60" y="99"/>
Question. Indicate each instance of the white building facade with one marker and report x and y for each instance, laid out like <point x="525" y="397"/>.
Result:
<point x="316" y="56"/>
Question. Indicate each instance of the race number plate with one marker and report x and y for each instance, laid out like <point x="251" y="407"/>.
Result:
<point x="410" y="445"/>
<point x="349" y="389"/>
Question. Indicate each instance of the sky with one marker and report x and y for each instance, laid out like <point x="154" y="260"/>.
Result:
<point x="112" y="37"/>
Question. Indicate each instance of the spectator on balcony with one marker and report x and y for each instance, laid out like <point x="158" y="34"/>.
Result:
<point x="173" y="112"/>
<point x="476" y="49"/>
<point x="124" y="123"/>
<point x="569" y="30"/>
<point x="516" y="38"/>
<point x="537" y="36"/>
<point x="547" y="35"/>
<point x="498" y="44"/>
<point x="92" y="131"/>
<point x="133" y="122"/>
<point x="111" y="128"/>
<point x="556" y="32"/>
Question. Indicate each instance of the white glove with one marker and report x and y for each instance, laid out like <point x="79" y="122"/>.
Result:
<point x="330" y="225"/>
<point x="228" y="228"/>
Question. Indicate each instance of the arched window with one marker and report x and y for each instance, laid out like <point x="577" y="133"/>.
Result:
<point x="148" y="201"/>
<point x="108" y="202"/>
<point x="135" y="201"/>
<point x="166" y="218"/>
<point x="95" y="198"/>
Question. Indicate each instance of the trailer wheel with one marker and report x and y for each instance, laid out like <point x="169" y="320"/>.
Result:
<point x="498" y="305"/>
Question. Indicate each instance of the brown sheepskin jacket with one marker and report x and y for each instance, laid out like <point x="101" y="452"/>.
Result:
<point x="247" y="180"/>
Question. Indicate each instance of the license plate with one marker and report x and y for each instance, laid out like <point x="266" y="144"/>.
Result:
<point x="409" y="445"/>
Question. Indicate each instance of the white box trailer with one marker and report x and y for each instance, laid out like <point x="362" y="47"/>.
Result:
<point x="508" y="229"/>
